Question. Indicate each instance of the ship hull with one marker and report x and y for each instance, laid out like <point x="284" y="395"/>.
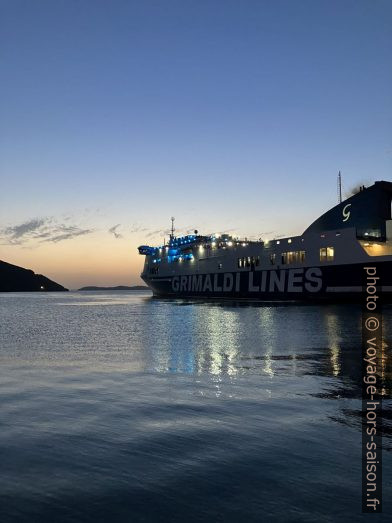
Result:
<point x="334" y="283"/>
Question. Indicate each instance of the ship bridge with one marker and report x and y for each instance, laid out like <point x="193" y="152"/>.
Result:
<point x="368" y="211"/>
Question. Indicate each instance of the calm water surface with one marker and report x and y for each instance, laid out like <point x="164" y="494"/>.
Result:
<point x="119" y="407"/>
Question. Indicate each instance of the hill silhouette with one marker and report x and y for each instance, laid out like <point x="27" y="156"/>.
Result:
<point x="18" y="279"/>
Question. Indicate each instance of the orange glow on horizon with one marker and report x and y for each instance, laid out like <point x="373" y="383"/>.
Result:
<point x="95" y="260"/>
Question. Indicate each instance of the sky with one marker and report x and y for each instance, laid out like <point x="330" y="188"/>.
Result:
<point x="229" y="115"/>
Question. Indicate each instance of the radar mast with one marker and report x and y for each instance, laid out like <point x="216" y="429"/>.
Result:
<point x="172" y="228"/>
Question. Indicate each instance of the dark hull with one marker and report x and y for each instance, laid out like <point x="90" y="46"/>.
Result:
<point x="331" y="283"/>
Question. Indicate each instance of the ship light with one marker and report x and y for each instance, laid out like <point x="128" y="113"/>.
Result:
<point x="229" y="244"/>
<point x="278" y="242"/>
<point x="266" y="243"/>
<point x="201" y="248"/>
<point x="289" y="240"/>
<point x="213" y="244"/>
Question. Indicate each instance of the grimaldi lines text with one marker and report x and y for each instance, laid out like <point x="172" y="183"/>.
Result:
<point x="292" y="280"/>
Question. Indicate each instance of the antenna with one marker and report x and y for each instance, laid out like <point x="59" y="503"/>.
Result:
<point x="340" y="187"/>
<point x="172" y="228"/>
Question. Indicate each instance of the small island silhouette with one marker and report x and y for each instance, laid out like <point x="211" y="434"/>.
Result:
<point x="18" y="279"/>
<point x="117" y="288"/>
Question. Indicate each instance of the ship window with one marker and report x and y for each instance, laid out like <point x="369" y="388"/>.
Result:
<point x="377" y="249"/>
<point x="327" y="254"/>
<point x="255" y="261"/>
<point x="293" y="257"/>
<point x="249" y="261"/>
<point x="374" y="233"/>
<point x="272" y="258"/>
<point x="242" y="262"/>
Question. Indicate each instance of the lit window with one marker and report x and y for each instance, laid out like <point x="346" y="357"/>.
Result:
<point x="293" y="257"/>
<point x="327" y="254"/>
<point x="330" y="253"/>
<point x="377" y="249"/>
<point x="219" y="265"/>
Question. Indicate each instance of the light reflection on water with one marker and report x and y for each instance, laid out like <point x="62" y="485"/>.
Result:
<point x="121" y="407"/>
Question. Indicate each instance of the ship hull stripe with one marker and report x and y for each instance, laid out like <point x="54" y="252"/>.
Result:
<point x="282" y="284"/>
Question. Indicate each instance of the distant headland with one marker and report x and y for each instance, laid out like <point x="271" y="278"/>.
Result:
<point x="18" y="279"/>
<point x="118" y="288"/>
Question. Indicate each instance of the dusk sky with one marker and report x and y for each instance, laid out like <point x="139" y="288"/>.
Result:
<point x="229" y="115"/>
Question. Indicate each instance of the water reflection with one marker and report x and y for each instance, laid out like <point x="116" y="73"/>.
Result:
<point x="144" y="399"/>
<point x="223" y="341"/>
<point x="233" y="340"/>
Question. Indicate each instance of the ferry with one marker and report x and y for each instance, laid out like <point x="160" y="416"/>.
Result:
<point x="329" y="261"/>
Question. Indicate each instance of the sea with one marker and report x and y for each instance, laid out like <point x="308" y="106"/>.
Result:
<point x="120" y="407"/>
